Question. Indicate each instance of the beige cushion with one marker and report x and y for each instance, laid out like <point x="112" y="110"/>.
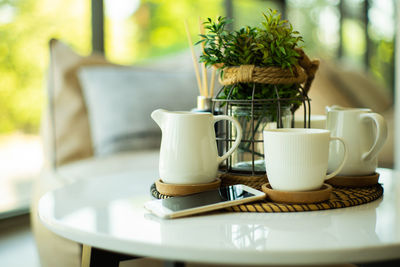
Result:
<point x="120" y="100"/>
<point x="335" y="85"/>
<point x="324" y="92"/>
<point x="65" y="127"/>
<point x="361" y="88"/>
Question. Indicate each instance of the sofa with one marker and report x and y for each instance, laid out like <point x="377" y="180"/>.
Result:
<point x="97" y="122"/>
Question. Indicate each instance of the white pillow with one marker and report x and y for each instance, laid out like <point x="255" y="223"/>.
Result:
<point x="120" y="100"/>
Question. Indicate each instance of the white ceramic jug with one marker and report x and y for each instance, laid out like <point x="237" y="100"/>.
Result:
<point x="365" y="133"/>
<point x="188" y="153"/>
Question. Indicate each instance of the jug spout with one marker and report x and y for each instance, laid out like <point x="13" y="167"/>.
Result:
<point x="157" y="115"/>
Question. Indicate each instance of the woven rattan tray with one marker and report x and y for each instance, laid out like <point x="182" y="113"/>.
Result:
<point x="341" y="197"/>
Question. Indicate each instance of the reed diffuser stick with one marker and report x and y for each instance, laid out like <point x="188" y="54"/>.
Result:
<point x="196" y="67"/>
<point x="212" y="82"/>
<point x="203" y="65"/>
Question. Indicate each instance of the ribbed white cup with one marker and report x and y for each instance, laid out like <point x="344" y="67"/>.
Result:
<point x="297" y="159"/>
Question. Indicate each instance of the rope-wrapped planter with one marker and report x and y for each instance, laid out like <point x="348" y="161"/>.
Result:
<point x="302" y="73"/>
<point x="279" y="104"/>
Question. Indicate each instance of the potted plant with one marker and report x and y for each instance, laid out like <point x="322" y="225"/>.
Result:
<point x="265" y="76"/>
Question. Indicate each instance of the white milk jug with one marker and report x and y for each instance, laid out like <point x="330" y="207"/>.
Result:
<point x="365" y="133"/>
<point x="188" y="153"/>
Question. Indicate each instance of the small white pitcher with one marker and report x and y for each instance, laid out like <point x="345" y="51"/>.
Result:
<point x="365" y="133"/>
<point x="188" y="153"/>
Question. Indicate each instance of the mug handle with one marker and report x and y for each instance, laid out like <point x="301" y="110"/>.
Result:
<point x="333" y="174"/>
<point x="238" y="137"/>
<point x="381" y="135"/>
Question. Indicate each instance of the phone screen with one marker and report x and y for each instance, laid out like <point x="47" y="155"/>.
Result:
<point x="224" y="194"/>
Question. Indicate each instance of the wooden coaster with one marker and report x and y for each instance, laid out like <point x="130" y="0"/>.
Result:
<point x="354" y="181"/>
<point x="185" y="189"/>
<point x="298" y="197"/>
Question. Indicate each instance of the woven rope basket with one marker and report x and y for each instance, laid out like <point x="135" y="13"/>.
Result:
<point x="302" y="73"/>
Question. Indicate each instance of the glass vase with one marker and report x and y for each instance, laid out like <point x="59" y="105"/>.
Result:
<point x="249" y="156"/>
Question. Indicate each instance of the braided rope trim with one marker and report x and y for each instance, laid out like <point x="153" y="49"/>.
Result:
<point x="304" y="72"/>
<point x="266" y="75"/>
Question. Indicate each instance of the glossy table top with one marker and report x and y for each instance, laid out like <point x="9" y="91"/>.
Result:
<point x="107" y="212"/>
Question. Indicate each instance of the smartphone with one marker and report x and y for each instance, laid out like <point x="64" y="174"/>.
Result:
<point x="223" y="197"/>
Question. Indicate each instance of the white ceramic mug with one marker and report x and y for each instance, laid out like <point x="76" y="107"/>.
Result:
<point x="365" y="133"/>
<point x="297" y="159"/>
<point x="188" y="153"/>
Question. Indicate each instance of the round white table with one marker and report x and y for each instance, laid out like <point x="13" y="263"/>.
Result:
<point x="107" y="213"/>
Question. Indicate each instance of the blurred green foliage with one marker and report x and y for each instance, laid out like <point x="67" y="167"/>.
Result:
<point x="25" y="33"/>
<point x="153" y="30"/>
<point x="156" y="29"/>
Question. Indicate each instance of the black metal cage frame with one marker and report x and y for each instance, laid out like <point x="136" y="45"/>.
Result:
<point x="224" y="106"/>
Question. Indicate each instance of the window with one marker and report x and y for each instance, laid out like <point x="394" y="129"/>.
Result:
<point x="139" y="30"/>
<point x="26" y="26"/>
<point x="358" y="32"/>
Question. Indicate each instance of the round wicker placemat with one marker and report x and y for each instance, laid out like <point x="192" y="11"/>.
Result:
<point x="253" y="181"/>
<point x="341" y="197"/>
